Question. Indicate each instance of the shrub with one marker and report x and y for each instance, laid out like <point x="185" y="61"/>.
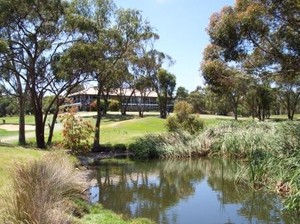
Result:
<point x="184" y="120"/>
<point x="42" y="191"/>
<point x="147" y="146"/>
<point x="120" y="147"/>
<point x="93" y="105"/>
<point x="76" y="132"/>
<point x="183" y="109"/>
<point x="114" y="105"/>
<point x="172" y="123"/>
<point x="193" y="124"/>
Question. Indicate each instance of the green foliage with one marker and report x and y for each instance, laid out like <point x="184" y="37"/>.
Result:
<point x="193" y="124"/>
<point x="97" y="214"/>
<point x="255" y="36"/>
<point x="8" y="106"/>
<point x="197" y="99"/>
<point x="184" y="119"/>
<point x="93" y="105"/>
<point x="42" y="191"/>
<point x="182" y="109"/>
<point x="181" y="93"/>
<point x="169" y="145"/>
<point x="172" y="123"/>
<point x="76" y="132"/>
<point x="147" y="147"/>
<point x="166" y="83"/>
<point x="114" y="105"/>
<point x="46" y="104"/>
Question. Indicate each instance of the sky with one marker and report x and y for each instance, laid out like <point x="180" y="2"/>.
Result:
<point x="181" y="26"/>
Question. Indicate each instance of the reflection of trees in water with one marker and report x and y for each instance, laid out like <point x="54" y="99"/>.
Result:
<point x="255" y="205"/>
<point x="261" y="206"/>
<point x="148" y="189"/>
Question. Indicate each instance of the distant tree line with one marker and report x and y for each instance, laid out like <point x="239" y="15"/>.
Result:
<point x="206" y="101"/>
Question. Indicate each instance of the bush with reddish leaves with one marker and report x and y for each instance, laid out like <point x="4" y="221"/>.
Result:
<point x="76" y="132"/>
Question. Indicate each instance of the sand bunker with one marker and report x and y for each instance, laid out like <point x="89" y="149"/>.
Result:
<point x="15" y="127"/>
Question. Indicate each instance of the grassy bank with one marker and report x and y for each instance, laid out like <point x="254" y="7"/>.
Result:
<point x="97" y="214"/>
<point x="43" y="185"/>
<point x="271" y="150"/>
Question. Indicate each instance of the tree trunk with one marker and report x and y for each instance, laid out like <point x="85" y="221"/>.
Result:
<point x="39" y="129"/>
<point x="293" y="107"/>
<point x="124" y="107"/>
<point x="235" y="111"/>
<point x="106" y="103"/>
<point x="141" y="104"/>
<point x="52" y="125"/>
<point x="141" y="113"/>
<point x="235" y="103"/>
<point x="162" y="102"/>
<point x="163" y="109"/>
<point x="163" y="113"/>
<point x="96" y="144"/>
<point x="288" y="106"/>
<point x="22" y="139"/>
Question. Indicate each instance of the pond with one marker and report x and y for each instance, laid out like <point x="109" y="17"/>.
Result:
<point x="185" y="191"/>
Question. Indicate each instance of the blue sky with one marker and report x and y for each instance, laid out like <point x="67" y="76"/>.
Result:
<point x="181" y="26"/>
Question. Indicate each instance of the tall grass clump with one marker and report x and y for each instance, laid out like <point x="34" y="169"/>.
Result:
<point x="42" y="191"/>
<point x="169" y="145"/>
<point x="244" y="140"/>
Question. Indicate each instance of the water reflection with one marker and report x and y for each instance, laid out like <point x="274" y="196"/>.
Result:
<point x="189" y="191"/>
<point x="94" y="194"/>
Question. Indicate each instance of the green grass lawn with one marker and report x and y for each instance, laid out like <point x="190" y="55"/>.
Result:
<point x="7" y="133"/>
<point x="117" y="129"/>
<point x="29" y="119"/>
<point x="126" y="131"/>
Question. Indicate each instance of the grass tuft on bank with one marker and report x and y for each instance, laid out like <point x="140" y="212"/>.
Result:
<point x="11" y="155"/>
<point x="42" y="191"/>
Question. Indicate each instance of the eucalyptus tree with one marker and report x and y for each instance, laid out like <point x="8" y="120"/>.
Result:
<point x="288" y="92"/>
<point x="224" y="79"/>
<point x="264" y="35"/>
<point x="165" y="86"/>
<point x="123" y="84"/>
<point x="32" y="34"/>
<point x="181" y="93"/>
<point x="13" y="86"/>
<point x="150" y="64"/>
<point x="196" y="99"/>
<point x="144" y="87"/>
<point x="108" y="36"/>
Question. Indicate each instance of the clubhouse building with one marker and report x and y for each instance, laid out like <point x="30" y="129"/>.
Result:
<point x="147" y="100"/>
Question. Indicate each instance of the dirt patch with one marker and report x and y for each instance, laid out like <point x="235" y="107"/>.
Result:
<point x="15" y="127"/>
